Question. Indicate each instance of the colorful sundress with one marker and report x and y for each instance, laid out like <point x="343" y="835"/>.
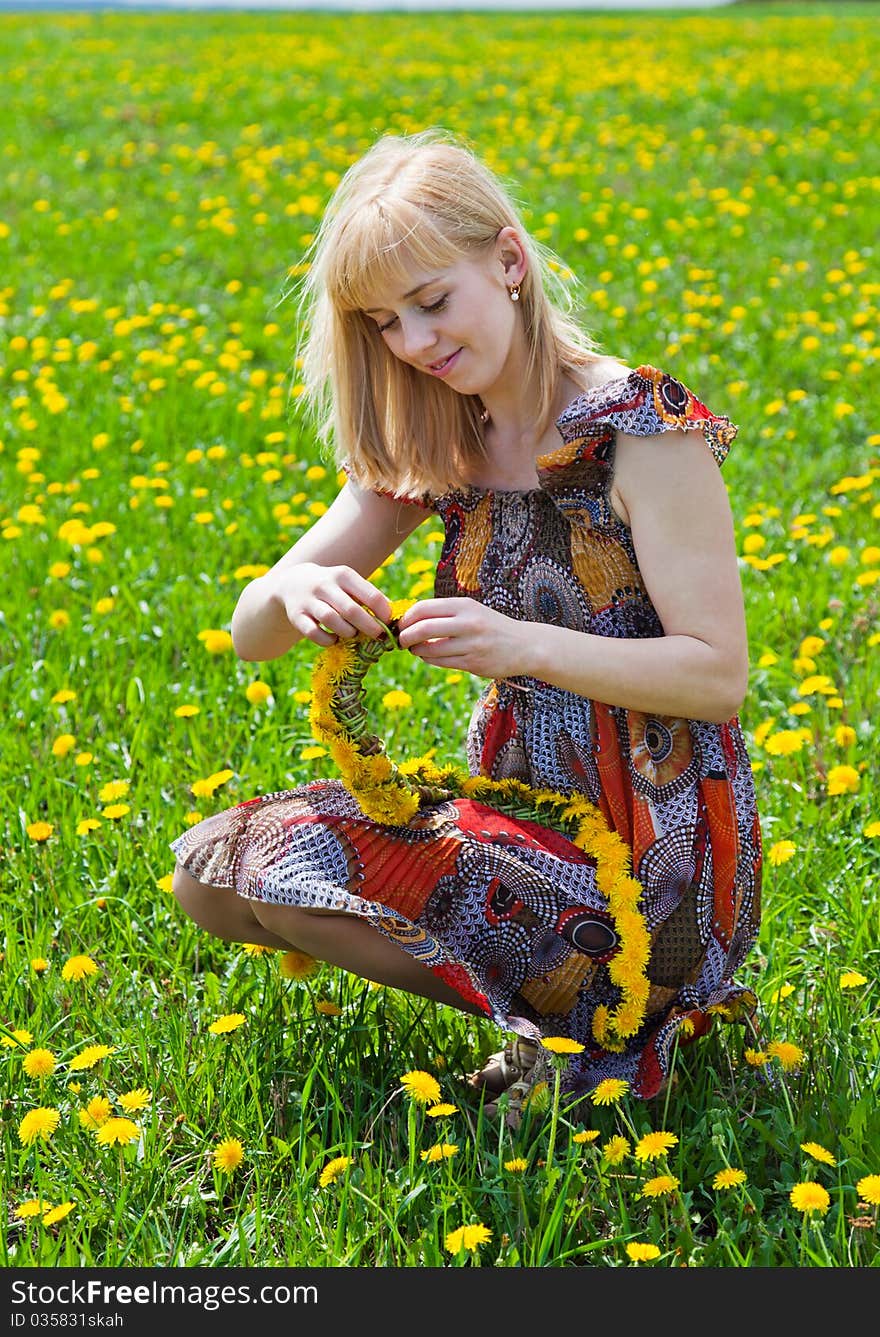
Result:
<point x="507" y="911"/>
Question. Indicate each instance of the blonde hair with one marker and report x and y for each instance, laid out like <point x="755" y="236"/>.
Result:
<point x="416" y="201"/>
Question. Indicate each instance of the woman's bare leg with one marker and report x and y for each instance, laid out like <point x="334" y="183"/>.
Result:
<point x="221" y="911"/>
<point x="338" y="938"/>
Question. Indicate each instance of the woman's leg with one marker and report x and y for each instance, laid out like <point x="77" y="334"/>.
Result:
<point x="338" y="938"/>
<point x="221" y="911"/>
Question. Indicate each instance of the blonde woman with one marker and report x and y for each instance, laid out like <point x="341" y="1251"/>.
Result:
<point x="588" y="575"/>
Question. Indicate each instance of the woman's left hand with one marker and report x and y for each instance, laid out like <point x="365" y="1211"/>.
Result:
<point x="464" y="634"/>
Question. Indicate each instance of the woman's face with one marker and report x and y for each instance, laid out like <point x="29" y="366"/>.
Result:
<point x="457" y="324"/>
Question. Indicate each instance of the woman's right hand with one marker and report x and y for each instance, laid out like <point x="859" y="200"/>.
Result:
<point x="327" y="603"/>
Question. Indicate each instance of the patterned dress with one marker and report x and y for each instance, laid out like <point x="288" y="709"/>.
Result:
<point x="506" y="911"/>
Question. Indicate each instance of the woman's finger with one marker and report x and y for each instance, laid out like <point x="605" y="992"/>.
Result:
<point x="311" y="630"/>
<point x="427" y="630"/>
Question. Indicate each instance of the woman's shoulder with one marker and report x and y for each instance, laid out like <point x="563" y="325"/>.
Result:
<point x="604" y="372"/>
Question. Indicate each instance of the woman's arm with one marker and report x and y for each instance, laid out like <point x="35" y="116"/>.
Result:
<point x="317" y="589"/>
<point x="682" y="531"/>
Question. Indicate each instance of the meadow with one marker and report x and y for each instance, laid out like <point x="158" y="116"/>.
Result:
<point x="710" y="185"/>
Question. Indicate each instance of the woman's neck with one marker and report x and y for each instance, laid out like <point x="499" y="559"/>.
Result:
<point x="509" y="426"/>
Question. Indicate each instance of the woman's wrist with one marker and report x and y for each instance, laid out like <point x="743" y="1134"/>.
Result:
<point x="261" y="629"/>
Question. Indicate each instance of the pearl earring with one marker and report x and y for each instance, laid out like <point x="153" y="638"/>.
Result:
<point x="514" y="292"/>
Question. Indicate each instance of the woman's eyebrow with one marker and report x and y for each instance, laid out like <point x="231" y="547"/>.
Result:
<point x="371" y="310"/>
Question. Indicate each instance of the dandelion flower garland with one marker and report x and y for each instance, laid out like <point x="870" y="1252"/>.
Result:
<point x="392" y="795"/>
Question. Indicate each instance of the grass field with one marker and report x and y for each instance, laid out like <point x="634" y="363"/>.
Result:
<point x="712" y="180"/>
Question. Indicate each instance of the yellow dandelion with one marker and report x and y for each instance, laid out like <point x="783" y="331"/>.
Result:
<point x="851" y="979"/>
<point x="441" y="1151"/>
<point x="39" y="964"/>
<point x="538" y="1097"/>
<point x="655" y="1144"/>
<point x="659" y="1186"/>
<point x="872" y="830"/>
<point x="258" y="692"/>
<point x="467" y="1237"/>
<point x="421" y="1086"/>
<point x="615" y="1150"/>
<point x="186" y="712"/>
<point x="295" y="965"/>
<point x="729" y="1177"/>
<point x="781" y="852"/>
<point x="97" y="1112"/>
<point x="333" y="1169"/>
<point x="809" y="1197"/>
<point x="228" y="1155"/>
<point x="230" y="1022"/>
<point x="117" y="1132"/>
<point x="784" y="742"/>
<point x="327" y="1008"/>
<point x="114" y="789"/>
<point x="18" y="1039"/>
<point x="868" y="1189"/>
<point x="789" y="1055"/>
<point x="133" y="1101"/>
<point x="517" y="1165"/>
<point x="257" y="949"/>
<point x="561" y="1044"/>
<point x="756" y="1058"/>
<point x="609" y="1091"/>
<point x="215" y="640"/>
<point x="441" y="1111"/>
<point x="642" y="1253"/>
<point x="88" y="1057"/>
<point x="115" y="811"/>
<point x="586" y="1135"/>
<point x="843" y="780"/>
<point x="396" y="700"/>
<point x="818" y="1152"/>
<point x="36" y="1123"/>
<point x="56" y="1214"/>
<point x="33" y="1207"/>
<point x="39" y="1063"/>
<point x="78" y="968"/>
<point x="39" y="831"/>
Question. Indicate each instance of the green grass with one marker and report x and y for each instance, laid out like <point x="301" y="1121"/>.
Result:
<point x="716" y="192"/>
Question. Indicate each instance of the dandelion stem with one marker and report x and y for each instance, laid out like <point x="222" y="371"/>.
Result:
<point x="554" y="1117"/>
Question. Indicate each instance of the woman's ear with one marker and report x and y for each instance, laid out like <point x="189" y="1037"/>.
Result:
<point x="511" y="255"/>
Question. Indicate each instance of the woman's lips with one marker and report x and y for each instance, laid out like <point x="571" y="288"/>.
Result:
<point x="447" y="365"/>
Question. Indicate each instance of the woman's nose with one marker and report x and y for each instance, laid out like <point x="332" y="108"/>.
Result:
<point x="418" y="337"/>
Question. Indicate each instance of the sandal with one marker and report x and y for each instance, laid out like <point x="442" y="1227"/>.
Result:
<point x="513" y="1066"/>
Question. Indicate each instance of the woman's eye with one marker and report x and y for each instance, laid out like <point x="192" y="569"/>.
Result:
<point x="435" y="306"/>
